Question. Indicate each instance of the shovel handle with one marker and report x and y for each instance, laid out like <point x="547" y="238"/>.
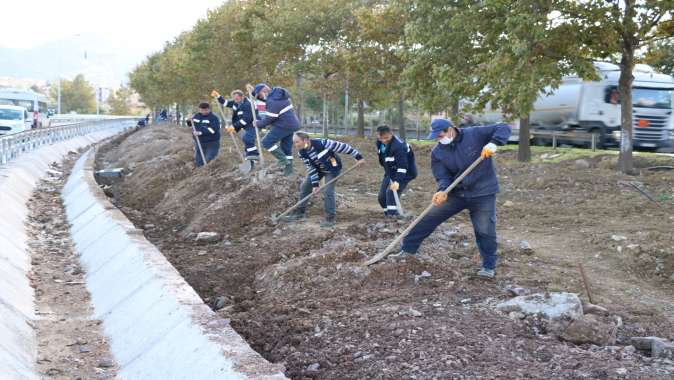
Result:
<point x="257" y="131"/>
<point x="296" y="205"/>
<point x="236" y="143"/>
<point x="395" y="243"/>
<point x="196" y="138"/>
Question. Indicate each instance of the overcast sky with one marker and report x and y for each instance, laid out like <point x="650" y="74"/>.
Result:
<point x="141" y="24"/>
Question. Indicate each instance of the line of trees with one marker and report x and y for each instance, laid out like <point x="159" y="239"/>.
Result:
<point x="427" y="53"/>
<point x="77" y="95"/>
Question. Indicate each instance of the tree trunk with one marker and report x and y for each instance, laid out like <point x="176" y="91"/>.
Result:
<point x="361" y="118"/>
<point x="325" y="116"/>
<point x="455" y="108"/>
<point x="625" y="163"/>
<point x="524" y="149"/>
<point x="401" y="111"/>
<point x="346" y="107"/>
<point x="297" y="104"/>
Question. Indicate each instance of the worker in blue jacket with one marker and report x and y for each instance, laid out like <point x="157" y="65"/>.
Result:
<point x="456" y="150"/>
<point x="206" y="127"/>
<point x="242" y="118"/>
<point x="321" y="159"/>
<point x="397" y="159"/>
<point x="280" y="116"/>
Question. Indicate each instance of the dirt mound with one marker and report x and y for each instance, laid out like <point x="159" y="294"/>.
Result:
<point x="161" y="178"/>
<point x="299" y="295"/>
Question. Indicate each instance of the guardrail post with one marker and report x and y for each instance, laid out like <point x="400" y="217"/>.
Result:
<point x="554" y="141"/>
<point x="594" y="142"/>
<point x="3" y="151"/>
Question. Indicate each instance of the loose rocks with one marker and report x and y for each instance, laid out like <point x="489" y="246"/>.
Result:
<point x="591" y="329"/>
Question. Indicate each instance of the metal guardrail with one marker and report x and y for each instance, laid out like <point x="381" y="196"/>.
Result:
<point x="576" y="136"/>
<point x="413" y="133"/>
<point x="14" y="145"/>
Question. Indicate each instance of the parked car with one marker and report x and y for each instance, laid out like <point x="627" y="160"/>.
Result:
<point x="14" y="119"/>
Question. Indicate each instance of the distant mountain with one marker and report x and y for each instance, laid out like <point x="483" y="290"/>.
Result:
<point x="102" y="62"/>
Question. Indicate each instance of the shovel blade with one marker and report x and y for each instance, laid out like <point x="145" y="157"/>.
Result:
<point x="398" y="204"/>
<point x="246" y="166"/>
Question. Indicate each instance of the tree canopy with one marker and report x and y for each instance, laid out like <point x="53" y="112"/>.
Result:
<point x="431" y="54"/>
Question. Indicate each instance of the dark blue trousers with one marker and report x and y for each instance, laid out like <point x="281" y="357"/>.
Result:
<point x="211" y="149"/>
<point x="482" y="213"/>
<point x="386" y="199"/>
<point x="249" y="140"/>
<point x="279" y="138"/>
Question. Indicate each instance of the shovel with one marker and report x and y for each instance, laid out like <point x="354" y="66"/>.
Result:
<point x="196" y="138"/>
<point x="246" y="165"/>
<point x="396" y="243"/>
<point x="263" y="169"/>
<point x="398" y="204"/>
<point x="276" y="218"/>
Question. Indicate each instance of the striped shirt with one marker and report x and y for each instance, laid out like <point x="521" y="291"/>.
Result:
<point x="315" y="159"/>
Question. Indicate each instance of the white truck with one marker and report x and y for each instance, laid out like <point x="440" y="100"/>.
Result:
<point x="594" y="107"/>
<point x="14" y="119"/>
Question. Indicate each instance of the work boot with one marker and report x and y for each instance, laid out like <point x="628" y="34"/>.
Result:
<point x="401" y="255"/>
<point x="329" y="222"/>
<point x="294" y="216"/>
<point x="288" y="170"/>
<point x="486" y="273"/>
<point x="281" y="160"/>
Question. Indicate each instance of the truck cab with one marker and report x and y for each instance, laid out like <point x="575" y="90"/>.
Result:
<point x="14" y="119"/>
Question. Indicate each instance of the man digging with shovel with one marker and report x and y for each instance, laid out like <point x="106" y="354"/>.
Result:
<point x="206" y="129"/>
<point x="242" y="118"/>
<point x="280" y="116"/>
<point x="321" y="161"/>
<point x="397" y="159"/>
<point x="454" y="153"/>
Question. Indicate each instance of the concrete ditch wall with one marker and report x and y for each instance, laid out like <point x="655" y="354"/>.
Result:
<point x="158" y="327"/>
<point x="17" y="311"/>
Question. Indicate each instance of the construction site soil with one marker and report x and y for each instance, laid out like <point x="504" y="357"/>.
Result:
<point x="300" y="295"/>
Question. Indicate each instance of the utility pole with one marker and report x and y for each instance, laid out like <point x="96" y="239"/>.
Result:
<point x="58" y="96"/>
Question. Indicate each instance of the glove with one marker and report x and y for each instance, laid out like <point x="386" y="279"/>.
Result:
<point x="196" y="133"/>
<point x="394" y="186"/>
<point x="229" y="129"/>
<point x="439" y="198"/>
<point x="315" y="190"/>
<point x="488" y="150"/>
<point x="215" y="94"/>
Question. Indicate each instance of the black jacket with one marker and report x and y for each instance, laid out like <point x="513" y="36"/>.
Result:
<point x="397" y="158"/>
